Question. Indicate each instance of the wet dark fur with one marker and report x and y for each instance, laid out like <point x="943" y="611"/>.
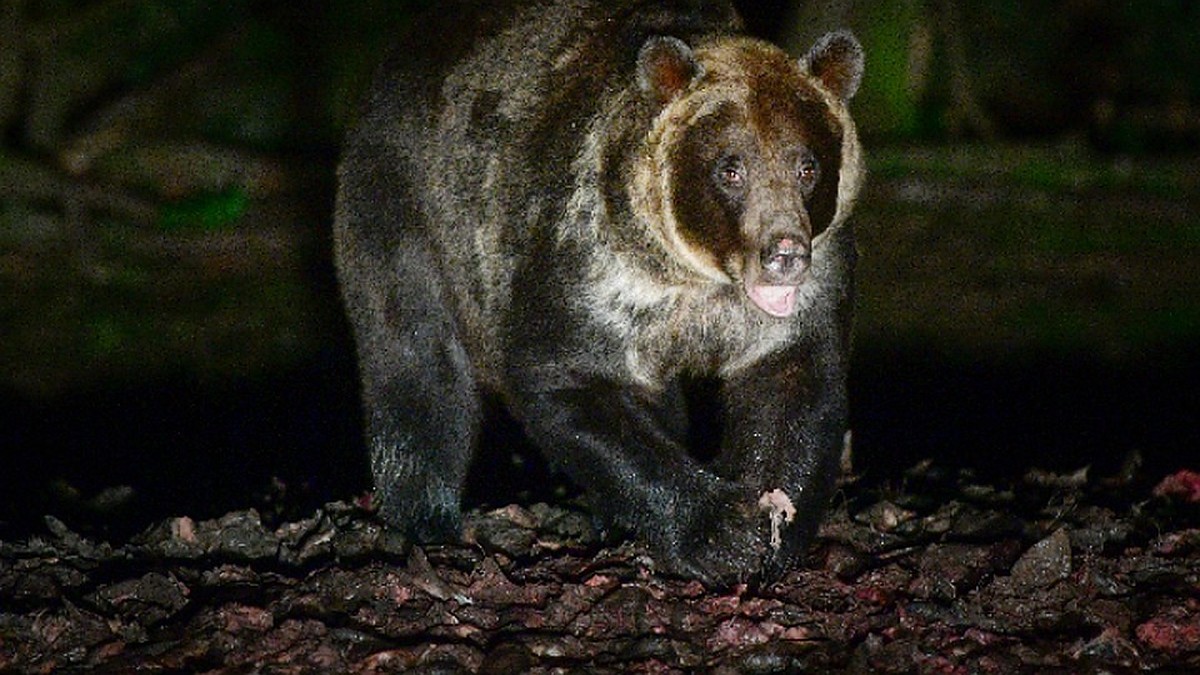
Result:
<point x="487" y="243"/>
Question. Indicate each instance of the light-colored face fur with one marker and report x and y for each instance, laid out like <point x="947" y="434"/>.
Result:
<point x="695" y="316"/>
<point x="727" y="80"/>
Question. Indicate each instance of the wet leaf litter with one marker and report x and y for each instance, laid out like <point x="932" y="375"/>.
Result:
<point x="941" y="573"/>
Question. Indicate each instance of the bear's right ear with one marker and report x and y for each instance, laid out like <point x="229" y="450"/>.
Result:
<point x="666" y="66"/>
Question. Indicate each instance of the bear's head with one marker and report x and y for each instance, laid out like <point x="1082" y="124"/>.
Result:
<point x="751" y="156"/>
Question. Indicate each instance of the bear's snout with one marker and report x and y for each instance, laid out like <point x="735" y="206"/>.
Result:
<point x="773" y="283"/>
<point x="785" y="259"/>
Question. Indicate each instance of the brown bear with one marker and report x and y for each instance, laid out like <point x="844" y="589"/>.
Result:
<point x="584" y="208"/>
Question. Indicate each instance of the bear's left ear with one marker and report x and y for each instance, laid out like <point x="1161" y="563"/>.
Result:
<point x="666" y="66"/>
<point x="837" y="61"/>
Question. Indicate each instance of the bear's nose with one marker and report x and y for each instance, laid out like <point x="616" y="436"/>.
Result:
<point x="786" y="259"/>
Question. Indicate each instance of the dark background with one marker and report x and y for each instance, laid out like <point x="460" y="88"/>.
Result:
<point x="171" y="342"/>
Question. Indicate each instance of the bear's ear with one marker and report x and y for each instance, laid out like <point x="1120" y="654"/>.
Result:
<point x="837" y="61"/>
<point x="666" y="66"/>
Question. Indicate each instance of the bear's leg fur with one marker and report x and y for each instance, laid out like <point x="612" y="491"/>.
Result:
<point x="421" y="403"/>
<point x="786" y="442"/>
<point x="627" y="452"/>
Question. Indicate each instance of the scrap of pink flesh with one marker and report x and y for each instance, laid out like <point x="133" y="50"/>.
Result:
<point x="779" y="508"/>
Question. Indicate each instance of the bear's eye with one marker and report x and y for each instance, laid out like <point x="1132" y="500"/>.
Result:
<point x="731" y="174"/>
<point x="809" y="172"/>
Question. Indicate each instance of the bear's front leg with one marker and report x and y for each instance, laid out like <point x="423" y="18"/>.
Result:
<point x="624" y="447"/>
<point x="783" y="437"/>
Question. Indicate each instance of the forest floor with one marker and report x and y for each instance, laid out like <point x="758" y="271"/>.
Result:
<point x="941" y="573"/>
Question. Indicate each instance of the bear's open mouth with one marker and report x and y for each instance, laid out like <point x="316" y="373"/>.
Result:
<point x="778" y="301"/>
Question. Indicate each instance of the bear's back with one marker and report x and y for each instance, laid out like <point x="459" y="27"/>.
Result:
<point x="481" y="112"/>
<point x="517" y="58"/>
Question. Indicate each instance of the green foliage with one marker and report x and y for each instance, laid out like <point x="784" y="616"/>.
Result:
<point x="206" y="213"/>
<point x="889" y="104"/>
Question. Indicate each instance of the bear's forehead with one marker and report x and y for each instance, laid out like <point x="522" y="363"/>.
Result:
<point x="766" y="90"/>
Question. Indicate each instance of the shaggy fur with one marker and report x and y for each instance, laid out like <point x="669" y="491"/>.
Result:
<point x="584" y="207"/>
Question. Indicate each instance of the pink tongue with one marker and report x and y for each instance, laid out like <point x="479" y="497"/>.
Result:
<point x="774" y="300"/>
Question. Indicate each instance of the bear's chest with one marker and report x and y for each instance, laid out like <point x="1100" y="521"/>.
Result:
<point x="664" y="330"/>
